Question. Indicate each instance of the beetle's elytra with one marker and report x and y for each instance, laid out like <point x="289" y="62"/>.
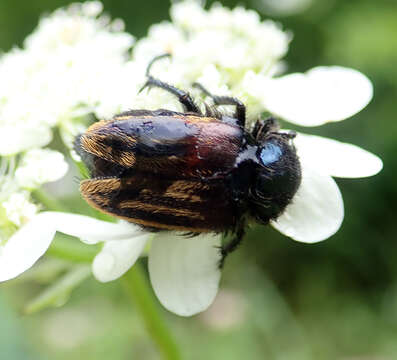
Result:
<point x="189" y="171"/>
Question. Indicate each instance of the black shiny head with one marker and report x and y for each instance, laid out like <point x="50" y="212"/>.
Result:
<point x="278" y="173"/>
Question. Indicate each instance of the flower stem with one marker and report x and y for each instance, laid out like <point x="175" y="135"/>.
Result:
<point x="72" y="250"/>
<point x="48" y="201"/>
<point x="58" y="292"/>
<point x="136" y="286"/>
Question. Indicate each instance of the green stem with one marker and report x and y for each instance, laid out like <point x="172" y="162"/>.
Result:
<point x="137" y="287"/>
<point x="59" y="292"/>
<point x="48" y="201"/>
<point x="69" y="249"/>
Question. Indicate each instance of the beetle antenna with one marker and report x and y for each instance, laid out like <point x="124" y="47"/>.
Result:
<point x="264" y="127"/>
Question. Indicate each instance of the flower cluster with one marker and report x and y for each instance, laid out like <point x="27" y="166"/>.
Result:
<point x="48" y="83"/>
<point x="220" y="48"/>
<point x="77" y="62"/>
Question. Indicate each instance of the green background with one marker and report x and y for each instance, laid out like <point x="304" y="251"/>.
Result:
<point x="279" y="299"/>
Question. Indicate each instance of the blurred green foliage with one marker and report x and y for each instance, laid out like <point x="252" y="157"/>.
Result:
<point x="279" y="299"/>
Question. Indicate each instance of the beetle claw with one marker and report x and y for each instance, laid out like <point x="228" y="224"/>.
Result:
<point x="146" y="85"/>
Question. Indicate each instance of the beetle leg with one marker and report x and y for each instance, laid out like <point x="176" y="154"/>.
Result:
<point x="184" y="98"/>
<point x="226" y="100"/>
<point x="232" y="245"/>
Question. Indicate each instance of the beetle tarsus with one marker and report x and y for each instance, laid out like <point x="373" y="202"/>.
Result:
<point x="232" y="245"/>
<point x="162" y="56"/>
<point x="184" y="97"/>
<point x="226" y="100"/>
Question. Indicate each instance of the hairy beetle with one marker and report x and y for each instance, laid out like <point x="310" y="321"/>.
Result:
<point x="189" y="171"/>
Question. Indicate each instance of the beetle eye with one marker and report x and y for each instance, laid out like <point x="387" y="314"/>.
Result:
<point x="270" y="153"/>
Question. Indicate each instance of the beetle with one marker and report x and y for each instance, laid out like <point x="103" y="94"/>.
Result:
<point x="189" y="171"/>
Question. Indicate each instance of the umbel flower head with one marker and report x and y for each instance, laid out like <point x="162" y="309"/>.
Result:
<point x="231" y="52"/>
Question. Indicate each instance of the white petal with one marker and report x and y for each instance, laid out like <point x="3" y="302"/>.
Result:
<point x="316" y="211"/>
<point x="184" y="272"/>
<point x="39" y="166"/>
<point x="92" y="230"/>
<point x="30" y="242"/>
<point x="25" y="247"/>
<point x="116" y="257"/>
<point x="17" y="138"/>
<point x="336" y="158"/>
<point x="321" y="95"/>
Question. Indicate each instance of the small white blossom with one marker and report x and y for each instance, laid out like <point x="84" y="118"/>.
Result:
<point x="39" y="166"/>
<point x="233" y="42"/>
<point x="60" y="74"/>
<point x="18" y="137"/>
<point x="19" y="209"/>
<point x="244" y="55"/>
<point x="58" y="77"/>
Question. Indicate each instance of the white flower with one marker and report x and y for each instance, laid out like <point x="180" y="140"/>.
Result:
<point x="15" y="138"/>
<point x="316" y="211"/>
<point x="323" y="94"/>
<point x="67" y="65"/>
<point x="231" y="41"/>
<point x="65" y="68"/>
<point x="40" y="166"/>
<point x="19" y="209"/>
<point x="74" y="64"/>
<point x="183" y="271"/>
<point x="233" y="52"/>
